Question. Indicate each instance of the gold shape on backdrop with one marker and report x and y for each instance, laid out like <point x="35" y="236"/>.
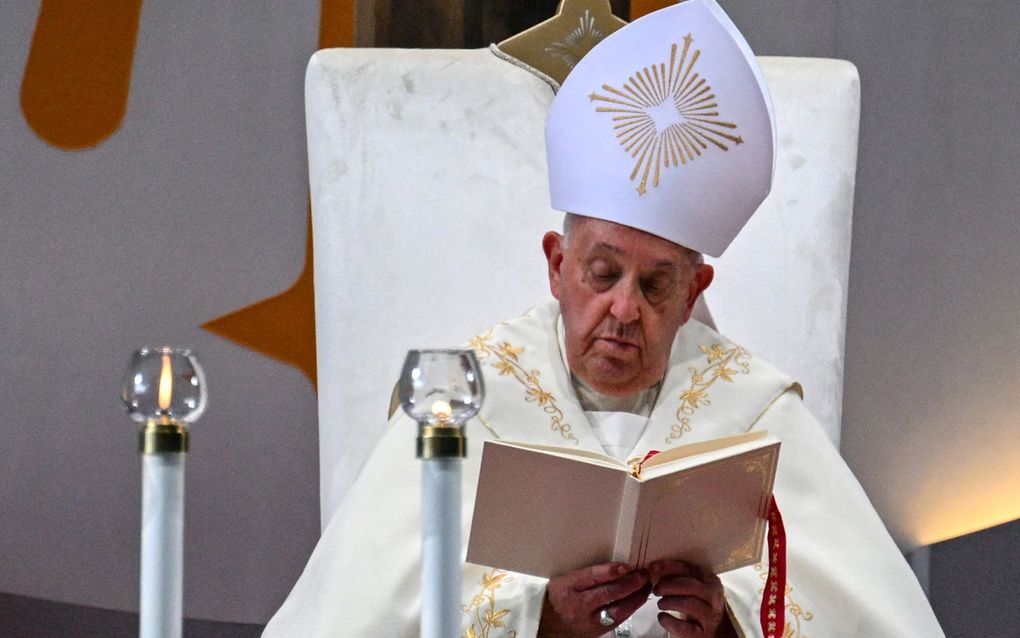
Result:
<point x="282" y="327"/>
<point x="556" y="45"/>
<point x="639" y="8"/>
<point x="75" y="88"/>
<point x="336" y="23"/>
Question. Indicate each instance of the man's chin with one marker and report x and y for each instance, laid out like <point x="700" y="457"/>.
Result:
<point x="612" y="377"/>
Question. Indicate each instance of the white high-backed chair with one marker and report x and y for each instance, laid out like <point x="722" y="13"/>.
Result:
<point x="429" y="201"/>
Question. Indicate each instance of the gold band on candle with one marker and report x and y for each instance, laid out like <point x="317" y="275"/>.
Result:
<point x="168" y="436"/>
<point x="441" y="441"/>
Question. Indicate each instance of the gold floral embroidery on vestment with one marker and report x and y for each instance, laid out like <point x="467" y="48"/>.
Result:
<point x="505" y="358"/>
<point x="666" y="118"/>
<point x="486" y="617"/>
<point x="795" y="614"/>
<point x="695" y="395"/>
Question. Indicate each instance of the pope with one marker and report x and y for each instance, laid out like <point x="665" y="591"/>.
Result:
<point x="661" y="145"/>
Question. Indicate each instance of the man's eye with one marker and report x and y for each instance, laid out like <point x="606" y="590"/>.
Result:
<point x="655" y="289"/>
<point x="603" y="272"/>
<point x="601" y="280"/>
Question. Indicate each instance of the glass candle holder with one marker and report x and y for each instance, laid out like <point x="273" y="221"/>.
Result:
<point x="441" y="387"/>
<point x="164" y="385"/>
<point x="441" y="390"/>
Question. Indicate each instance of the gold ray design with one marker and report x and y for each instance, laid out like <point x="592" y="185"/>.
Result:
<point x="578" y="42"/>
<point x="665" y="117"/>
<point x="556" y="45"/>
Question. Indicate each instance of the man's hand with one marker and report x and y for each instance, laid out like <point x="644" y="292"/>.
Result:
<point x="691" y="600"/>
<point x="573" y="601"/>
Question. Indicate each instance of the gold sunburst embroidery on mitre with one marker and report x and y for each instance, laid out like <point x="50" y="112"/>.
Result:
<point x="666" y="117"/>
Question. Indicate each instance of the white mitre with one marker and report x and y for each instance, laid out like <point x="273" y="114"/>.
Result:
<point x="665" y="126"/>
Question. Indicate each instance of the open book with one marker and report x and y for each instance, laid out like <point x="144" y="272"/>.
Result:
<point x="545" y="510"/>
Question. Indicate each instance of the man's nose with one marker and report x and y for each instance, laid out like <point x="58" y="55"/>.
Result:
<point x="625" y="304"/>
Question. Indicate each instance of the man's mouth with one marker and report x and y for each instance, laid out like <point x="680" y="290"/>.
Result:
<point x="620" y="345"/>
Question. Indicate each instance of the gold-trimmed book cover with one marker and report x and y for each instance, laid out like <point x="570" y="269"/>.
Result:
<point x="546" y="510"/>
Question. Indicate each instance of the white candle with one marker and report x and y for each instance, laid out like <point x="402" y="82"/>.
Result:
<point x="161" y="604"/>
<point x="440" y="549"/>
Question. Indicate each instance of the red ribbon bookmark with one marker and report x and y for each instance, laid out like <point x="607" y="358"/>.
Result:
<point x="773" y="600"/>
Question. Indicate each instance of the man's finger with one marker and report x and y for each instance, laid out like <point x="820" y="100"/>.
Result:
<point x="681" y="628"/>
<point x="662" y="568"/>
<point x="693" y="608"/>
<point x="692" y="598"/>
<point x="684" y="586"/>
<point x="623" y="608"/>
<point x="596" y="575"/>
<point x="677" y="578"/>
<point x="613" y="591"/>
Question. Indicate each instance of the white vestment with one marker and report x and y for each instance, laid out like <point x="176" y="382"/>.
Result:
<point x="845" y="576"/>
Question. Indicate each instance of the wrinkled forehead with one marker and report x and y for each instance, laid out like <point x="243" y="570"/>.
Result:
<point x="590" y="236"/>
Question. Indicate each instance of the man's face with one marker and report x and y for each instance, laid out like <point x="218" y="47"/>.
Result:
<point x="623" y="295"/>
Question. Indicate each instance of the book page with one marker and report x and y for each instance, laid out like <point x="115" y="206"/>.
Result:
<point x="570" y="453"/>
<point x="702" y="452"/>
<point x="543" y="514"/>
<point x="713" y="514"/>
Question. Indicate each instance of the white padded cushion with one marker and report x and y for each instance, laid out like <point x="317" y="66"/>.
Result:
<point x="781" y="288"/>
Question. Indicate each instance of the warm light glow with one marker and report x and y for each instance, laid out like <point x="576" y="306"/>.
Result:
<point x="975" y="499"/>
<point x="968" y="521"/>
<point x="955" y="529"/>
<point x="166" y="384"/>
<point x="442" y="410"/>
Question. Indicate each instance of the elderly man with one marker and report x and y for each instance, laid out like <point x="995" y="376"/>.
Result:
<point x="656" y="170"/>
<point x="623" y="296"/>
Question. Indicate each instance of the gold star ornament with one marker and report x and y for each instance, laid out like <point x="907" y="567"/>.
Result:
<point x="555" y="46"/>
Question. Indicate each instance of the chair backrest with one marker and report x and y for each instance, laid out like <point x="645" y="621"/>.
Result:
<point x="429" y="201"/>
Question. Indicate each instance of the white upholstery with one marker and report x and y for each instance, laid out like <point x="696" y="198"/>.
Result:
<point x="781" y="288"/>
<point x="429" y="200"/>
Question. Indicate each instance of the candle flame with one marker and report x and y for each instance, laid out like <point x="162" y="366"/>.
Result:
<point x="442" y="410"/>
<point x="166" y="384"/>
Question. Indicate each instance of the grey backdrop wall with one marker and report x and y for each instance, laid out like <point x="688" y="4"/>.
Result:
<point x="194" y="207"/>
<point x="206" y="177"/>
<point x="932" y="342"/>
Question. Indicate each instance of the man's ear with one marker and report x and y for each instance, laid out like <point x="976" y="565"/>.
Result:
<point x="552" y="246"/>
<point x="702" y="279"/>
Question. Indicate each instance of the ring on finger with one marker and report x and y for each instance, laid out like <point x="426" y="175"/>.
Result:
<point x="605" y="618"/>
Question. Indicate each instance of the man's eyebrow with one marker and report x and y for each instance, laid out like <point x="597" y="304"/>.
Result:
<point x="664" y="264"/>
<point x="607" y="247"/>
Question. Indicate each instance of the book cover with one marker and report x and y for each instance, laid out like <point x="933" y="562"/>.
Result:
<point x="546" y="510"/>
